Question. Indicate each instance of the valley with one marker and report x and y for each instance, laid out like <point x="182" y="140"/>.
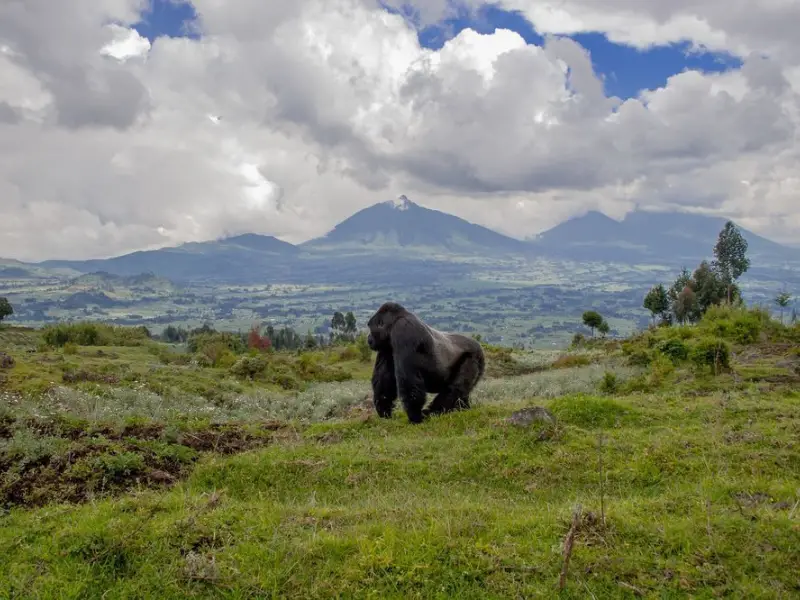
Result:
<point x="456" y="274"/>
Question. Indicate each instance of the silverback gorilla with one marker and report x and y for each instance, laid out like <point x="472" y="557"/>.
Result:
<point x="415" y="359"/>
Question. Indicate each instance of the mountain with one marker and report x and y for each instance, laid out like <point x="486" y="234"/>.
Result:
<point x="402" y="224"/>
<point x="226" y="258"/>
<point x="649" y="237"/>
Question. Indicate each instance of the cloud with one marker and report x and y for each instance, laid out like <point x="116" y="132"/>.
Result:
<point x="285" y="117"/>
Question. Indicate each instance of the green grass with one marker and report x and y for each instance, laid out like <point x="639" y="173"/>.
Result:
<point x="699" y="498"/>
<point x="688" y="481"/>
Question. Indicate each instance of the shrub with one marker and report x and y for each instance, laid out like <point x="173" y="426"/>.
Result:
<point x="674" y="349"/>
<point x="249" y="367"/>
<point x="70" y="348"/>
<point x="661" y="367"/>
<point x="234" y="342"/>
<point x="740" y="325"/>
<point x="94" y="334"/>
<point x="609" y="384"/>
<point x="569" y="361"/>
<point x="711" y="352"/>
<point x="364" y="352"/>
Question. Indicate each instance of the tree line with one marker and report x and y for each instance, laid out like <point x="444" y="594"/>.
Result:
<point x="711" y="284"/>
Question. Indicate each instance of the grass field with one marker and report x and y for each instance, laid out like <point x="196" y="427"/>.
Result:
<point x="668" y="474"/>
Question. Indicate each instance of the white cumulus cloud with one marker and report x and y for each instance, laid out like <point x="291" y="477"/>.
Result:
<point x="284" y="117"/>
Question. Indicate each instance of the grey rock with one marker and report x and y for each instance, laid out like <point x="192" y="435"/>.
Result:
<point x="537" y="418"/>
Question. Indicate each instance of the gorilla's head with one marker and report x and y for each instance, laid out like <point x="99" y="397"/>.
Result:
<point x="380" y="325"/>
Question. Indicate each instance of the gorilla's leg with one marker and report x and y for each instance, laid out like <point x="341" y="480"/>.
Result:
<point x="412" y="392"/>
<point x="456" y="396"/>
<point x="384" y="385"/>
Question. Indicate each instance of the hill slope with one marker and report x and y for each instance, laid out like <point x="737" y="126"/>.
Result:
<point x="649" y="236"/>
<point x="403" y="224"/>
<point x="231" y="258"/>
<point x="176" y="482"/>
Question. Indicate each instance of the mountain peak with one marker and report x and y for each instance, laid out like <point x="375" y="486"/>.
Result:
<point x="400" y="203"/>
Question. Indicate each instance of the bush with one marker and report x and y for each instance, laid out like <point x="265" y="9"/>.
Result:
<point x="234" y="342"/>
<point x="249" y="367"/>
<point x="661" y="367"/>
<point x="94" y="334"/>
<point x="70" y="348"/>
<point x="711" y="352"/>
<point x="609" y="384"/>
<point x="743" y="326"/>
<point x="364" y="352"/>
<point x="569" y="361"/>
<point x="674" y="349"/>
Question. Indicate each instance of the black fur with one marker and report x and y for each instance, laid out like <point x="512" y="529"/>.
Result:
<point x="414" y="359"/>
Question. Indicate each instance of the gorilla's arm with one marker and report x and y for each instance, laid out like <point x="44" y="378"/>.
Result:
<point x="384" y="384"/>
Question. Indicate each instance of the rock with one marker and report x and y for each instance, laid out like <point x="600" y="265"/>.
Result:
<point x="6" y="361"/>
<point x="161" y="476"/>
<point x="535" y="417"/>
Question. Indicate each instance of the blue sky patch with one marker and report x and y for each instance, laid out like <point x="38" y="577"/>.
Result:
<point x="625" y="70"/>
<point x="172" y="18"/>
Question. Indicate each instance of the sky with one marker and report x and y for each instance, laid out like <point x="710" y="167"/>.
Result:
<point x="135" y="124"/>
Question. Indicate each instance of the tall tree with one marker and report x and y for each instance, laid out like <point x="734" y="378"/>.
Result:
<point x="684" y="306"/>
<point x="603" y="328"/>
<point x="337" y="325"/>
<point x="657" y="301"/>
<point x="592" y="319"/>
<point x="6" y="310"/>
<point x="350" y="326"/>
<point x="730" y="254"/>
<point x="782" y="300"/>
<point x="710" y="288"/>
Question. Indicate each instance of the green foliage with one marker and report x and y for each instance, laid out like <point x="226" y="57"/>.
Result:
<point x="657" y="301"/>
<point x="364" y="351"/>
<point x="94" y="334"/>
<point x="609" y="383"/>
<point x="592" y="319"/>
<point x="738" y="325"/>
<point x="198" y="342"/>
<point x="603" y="328"/>
<point x="6" y="310"/>
<point x="674" y="349"/>
<point x="782" y="300"/>
<point x="730" y="254"/>
<point x="249" y="367"/>
<point x="713" y="352"/>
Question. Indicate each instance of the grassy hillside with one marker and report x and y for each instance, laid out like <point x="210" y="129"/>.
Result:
<point x="140" y="470"/>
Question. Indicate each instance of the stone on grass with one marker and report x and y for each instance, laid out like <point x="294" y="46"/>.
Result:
<point x="537" y="418"/>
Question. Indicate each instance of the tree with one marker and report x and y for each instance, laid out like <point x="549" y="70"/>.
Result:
<point x="604" y="328"/>
<point x="730" y="256"/>
<point x="710" y="288"/>
<point x="592" y="319"/>
<point x="255" y="341"/>
<point x="338" y="325"/>
<point x="783" y="299"/>
<point x="350" y="326"/>
<point x="656" y="301"/>
<point x="685" y="305"/>
<point x="6" y="310"/>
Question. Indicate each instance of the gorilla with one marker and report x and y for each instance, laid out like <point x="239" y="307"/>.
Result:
<point x="414" y="359"/>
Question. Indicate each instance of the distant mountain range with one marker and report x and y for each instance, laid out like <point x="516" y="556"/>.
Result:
<point x="356" y="248"/>
<point x="649" y="237"/>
